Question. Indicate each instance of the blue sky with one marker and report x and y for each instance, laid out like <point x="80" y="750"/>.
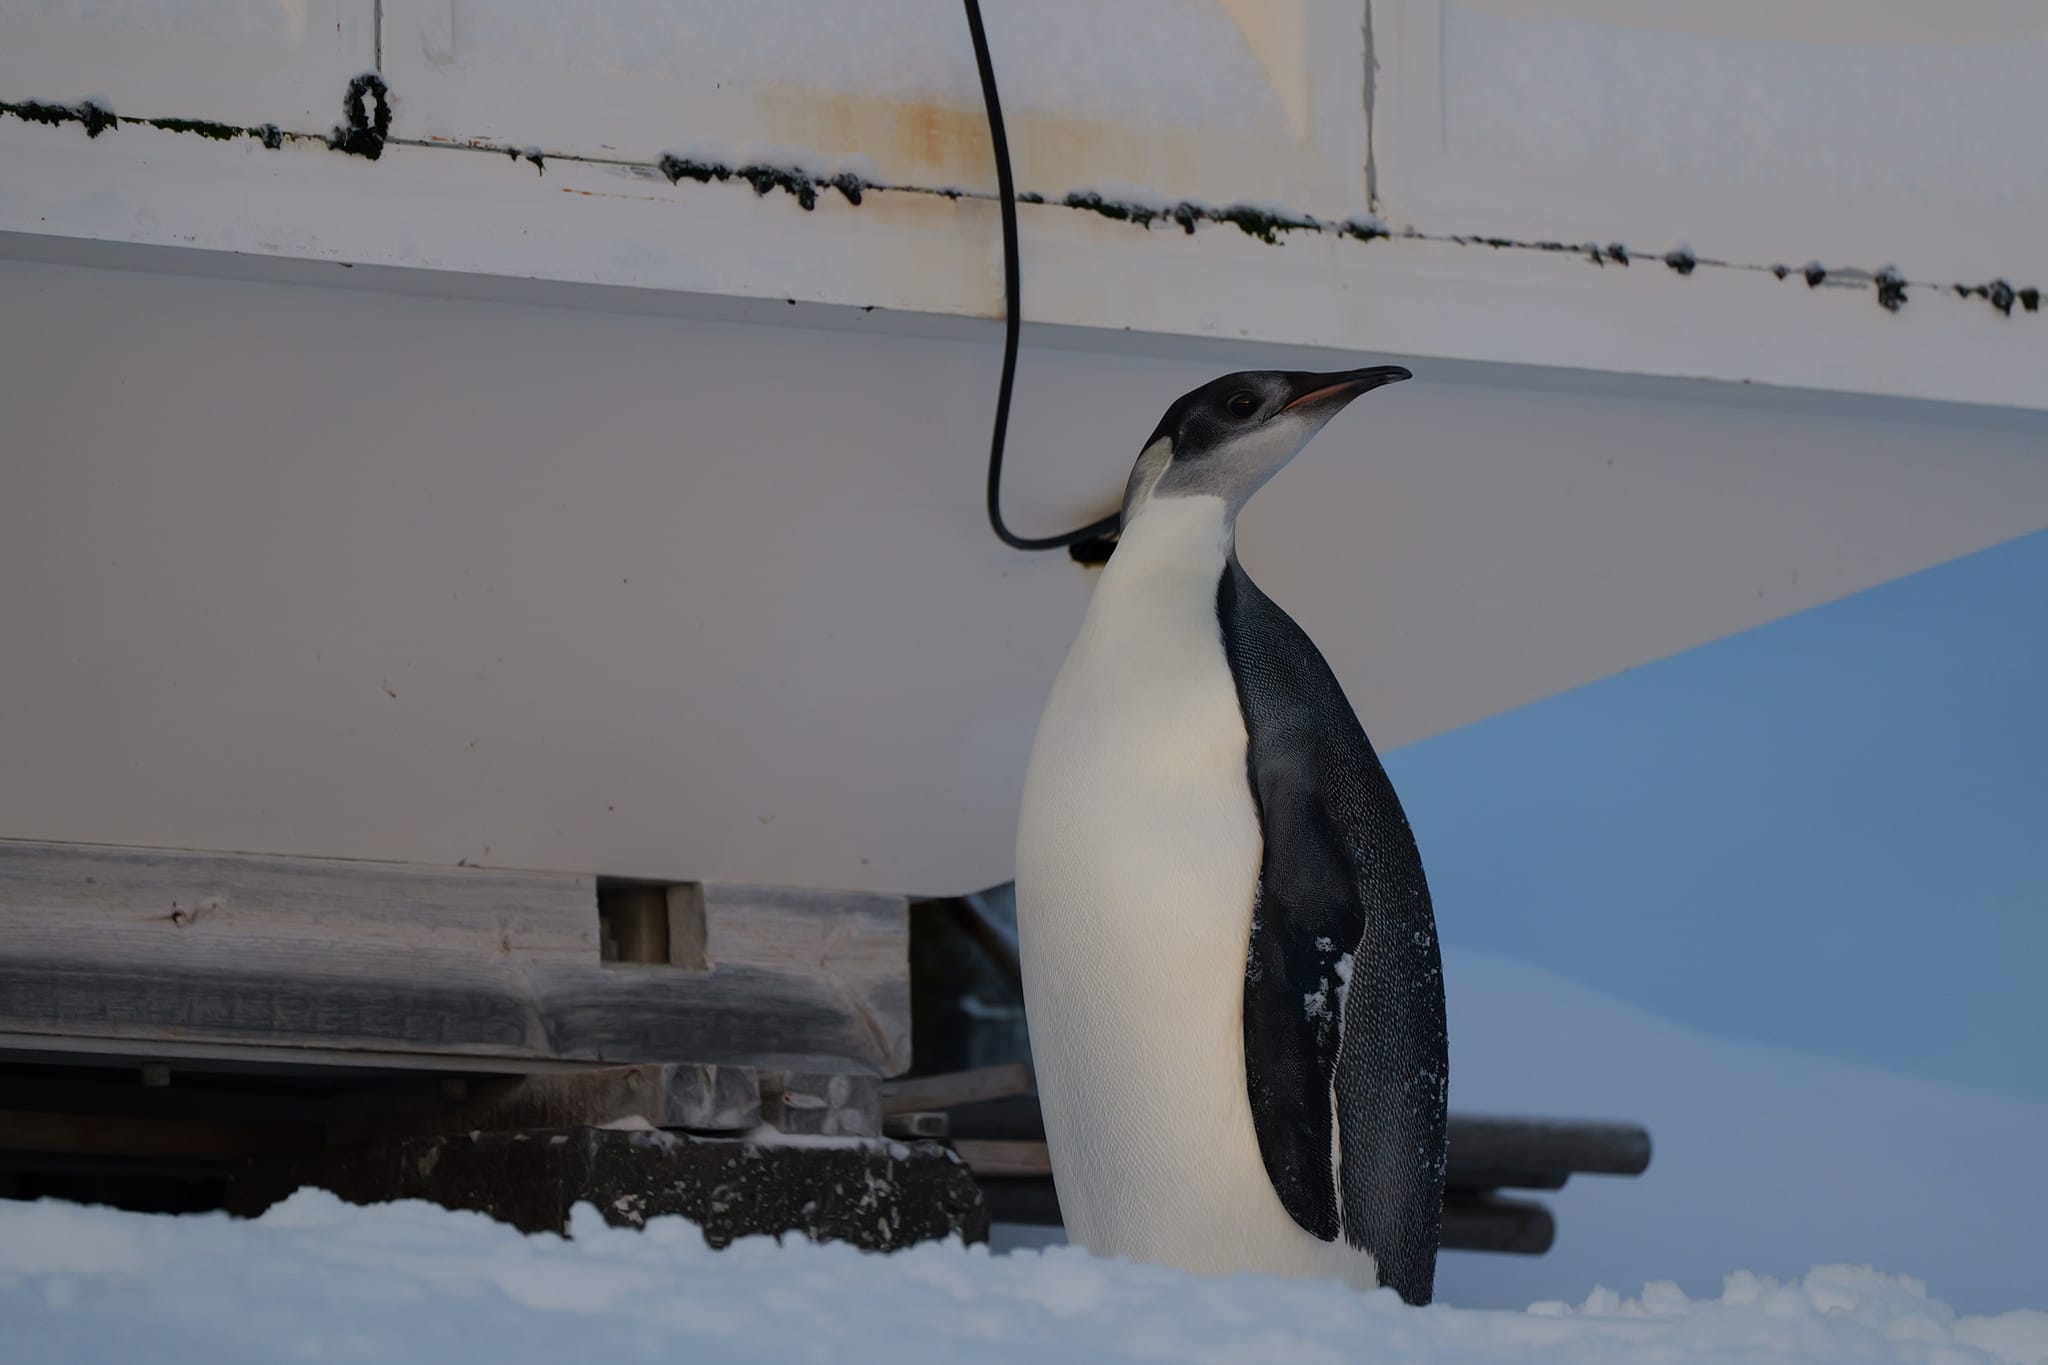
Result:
<point x="1828" y="833"/>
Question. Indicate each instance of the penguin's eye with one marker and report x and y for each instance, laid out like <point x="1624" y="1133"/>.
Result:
<point x="1242" y="403"/>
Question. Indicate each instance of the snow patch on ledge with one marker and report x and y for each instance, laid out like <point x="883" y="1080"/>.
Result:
<point x="406" y="1282"/>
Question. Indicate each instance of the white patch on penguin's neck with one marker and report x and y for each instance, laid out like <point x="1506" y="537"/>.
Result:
<point x="1171" y="537"/>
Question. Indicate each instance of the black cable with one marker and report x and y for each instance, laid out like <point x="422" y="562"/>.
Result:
<point x="1095" y="532"/>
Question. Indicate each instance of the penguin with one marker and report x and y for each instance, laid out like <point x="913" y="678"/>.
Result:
<point x="1232" y="980"/>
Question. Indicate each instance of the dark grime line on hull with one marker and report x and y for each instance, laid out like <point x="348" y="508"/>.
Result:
<point x="366" y="131"/>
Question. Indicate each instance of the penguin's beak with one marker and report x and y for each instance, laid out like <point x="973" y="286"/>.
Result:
<point x="1325" y="393"/>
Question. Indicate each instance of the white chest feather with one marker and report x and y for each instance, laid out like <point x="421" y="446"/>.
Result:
<point x="1137" y="861"/>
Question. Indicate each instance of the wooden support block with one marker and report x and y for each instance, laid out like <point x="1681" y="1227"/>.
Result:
<point x="951" y="1089"/>
<point x="136" y="946"/>
<point x="878" y="1196"/>
<point x="814" y="1104"/>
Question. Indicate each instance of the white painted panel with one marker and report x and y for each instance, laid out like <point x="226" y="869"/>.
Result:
<point x="331" y="571"/>
<point x="287" y="62"/>
<point x="480" y="214"/>
<point x="1216" y="100"/>
<point x="558" y="79"/>
<point x="1907" y="132"/>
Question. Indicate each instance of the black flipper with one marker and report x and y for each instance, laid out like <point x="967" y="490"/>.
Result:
<point x="1341" y="878"/>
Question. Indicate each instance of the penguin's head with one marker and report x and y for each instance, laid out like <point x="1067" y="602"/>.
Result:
<point x="1228" y="437"/>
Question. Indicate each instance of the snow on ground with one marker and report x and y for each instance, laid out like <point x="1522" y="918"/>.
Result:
<point x="317" y="1279"/>
<point x="1764" y="1158"/>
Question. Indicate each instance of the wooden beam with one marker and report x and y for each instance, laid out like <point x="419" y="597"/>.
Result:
<point x="149" y="947"/>
<point x="283" y="1059"/>
<point x="992" y="1156"/>
<point x="951" y="1089"/>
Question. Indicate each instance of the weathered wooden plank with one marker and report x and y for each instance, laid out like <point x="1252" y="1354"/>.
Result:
<point x="176" y="947"/>
<point x="953" y="1088"/>
<point x="686" y="930"/>
<point x="735" y="1015"/>
<point x="853" y="948"/>
<point x="270" y="1059"/>
<point x="154" y="943"/>
<point x="273" y="1004"/>
<point x="739" y="1015"/>
<point x="999" y="1157"/>
<point x="175" y="907"/>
